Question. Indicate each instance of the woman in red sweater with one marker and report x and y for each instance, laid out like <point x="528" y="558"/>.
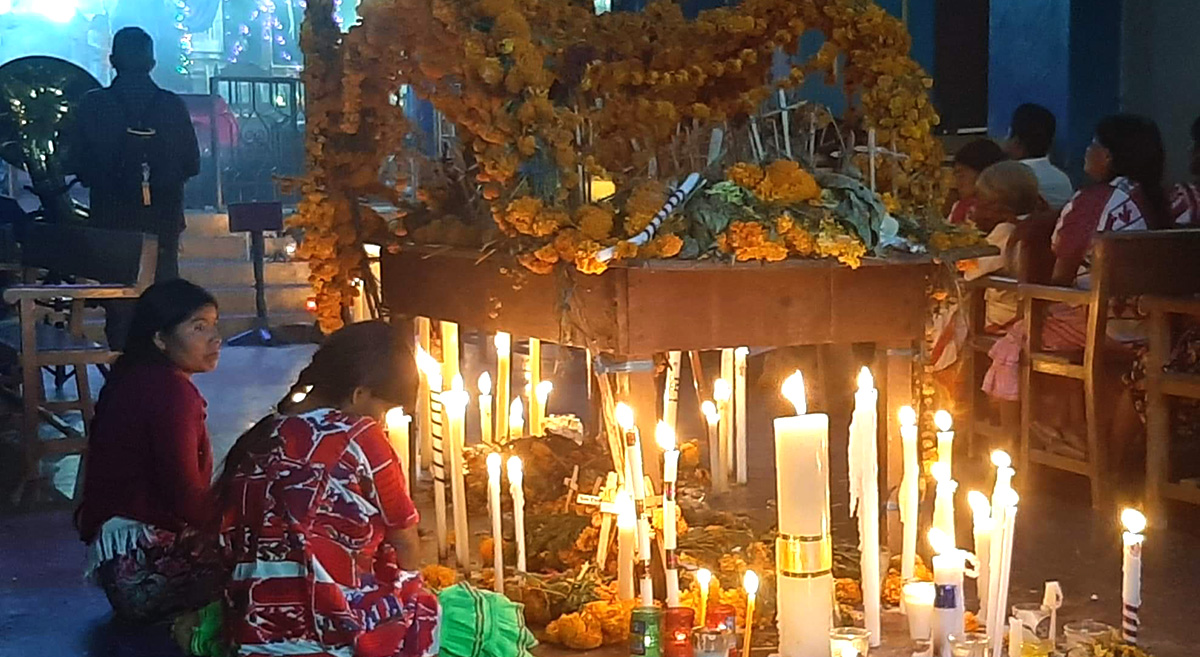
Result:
<point x="149" y="462"/>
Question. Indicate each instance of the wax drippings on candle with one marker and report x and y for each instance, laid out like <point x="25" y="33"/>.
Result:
<point x="710" y="412"/>
<point x="485" y="384"/>
<point x="624" y="416"/>
<point x="943" y="421"/>
<point x="395" y="417"/>
<point x="750" y="582"/>
<point x="515" y="469"/>
<point x="544" y="389"/>
<point x="503" y="342"/>
<point x="1001" y="459"/>
<point x="793" y="391"/>
<point x="865" y="380"/>
<point x="908" y="417"/>
<point x="493" y="465"/>
<point x="1133" y="520"/>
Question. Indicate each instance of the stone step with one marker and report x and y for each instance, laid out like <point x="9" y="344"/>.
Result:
<point x="232" y="273"/>
<point x="280" y="299"/>
<point x="226" y="247"/>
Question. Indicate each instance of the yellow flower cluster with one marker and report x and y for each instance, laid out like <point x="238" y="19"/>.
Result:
<point x="594" y="221"/>
<point x="604" y="622"/>
<point x="785" y="181"/>
<point x="645" y="201"/>
<point x="527" y="215"/>
<point x="750" y="240"/>
<point x="834" y="242"/>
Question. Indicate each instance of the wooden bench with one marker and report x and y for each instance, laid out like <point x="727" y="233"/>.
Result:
<point x="106" y="265"/>
<point x="1161" y="386"/>
<point x="1124" y="265"/>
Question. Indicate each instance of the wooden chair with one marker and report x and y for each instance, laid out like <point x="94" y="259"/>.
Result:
<point x="1124" y="264"/>
<point x="115" y="265"/>
<point x="1161" y="385"/>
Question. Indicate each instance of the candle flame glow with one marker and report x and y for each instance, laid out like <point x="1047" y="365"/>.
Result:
<point x="979" y="504"/>
<point x="395" y="417"/>
<point x="430" y="367"/>
<point x="793" y="391"/>
<point x="485" y="384"/>
<point x="865" y="380"/>
<point x="710" y="412"/>
<point x="516" y="471"/>
<point x="626" y="513"/>
<point x="516" y="413"/>
<point x="908" y="417"/>
<point x="704" y="578"/>
<point x="1134" y="521"/>
<point x="943" y="421"/>
<point x="543" y="391"/>
<point x="493" y="466"/>
<point x="664" y="435"/>
<point x="750" y="583"/>
<point x="456" y="384"/>
<point x="1001" y="459"/>
<point x="298" y="396"/>
<point x="741" y="352"/>
<point x="503" y="342"/>
<point x="722" y="391"/>
<point x="940" y="472"/>
<point x="940" y="541"/>
<point x="624" y="417"/>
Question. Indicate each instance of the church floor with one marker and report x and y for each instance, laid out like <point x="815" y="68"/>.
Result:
<point x="48" y="611"/>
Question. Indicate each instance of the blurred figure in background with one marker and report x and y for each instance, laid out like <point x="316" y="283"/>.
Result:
<point x="969" y="162"/>
<point x="1030" y="136"/>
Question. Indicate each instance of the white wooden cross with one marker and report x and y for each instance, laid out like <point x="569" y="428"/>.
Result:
<point x="572" y="484"/>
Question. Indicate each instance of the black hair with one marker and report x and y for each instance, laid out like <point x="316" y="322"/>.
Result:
<point x="132" y="51"/>
<point x="160" y="309"/>
<point x="1033" y="126"/>
<point x="979" y="155"/>
<point x="1136" y="146"/>
<point x="373" y="355"/>
<point x="1195" y="166"/>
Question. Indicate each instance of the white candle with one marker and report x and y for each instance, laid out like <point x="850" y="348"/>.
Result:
<point x="909" y="494"/>
<point x="1052" y="599"/>
<point x="665" y="436"/>
<point x="750" y="583"/>
<point x="918" y="605"/>
<point x="703" y="578"/>
<point x="949" y="611"/>
<point x="397" y="423"/>
<point x="425" y="447"/>
<point x="981" y="514"/>
<point x="485" y="408"/>
<point x="996" y="612"/>
<point x="945" y="439"/>
<point x="455" y="404"/>
<point x="534" y="369"/>
<point x="493" y="467"/>
<point x="1016" y="636"/>
<point x="516" y="481"/>
<point x="803" y="552"/>
<point x="712" y="418"/>
<point x="727" y="414"/>
<point x="433" y="377"/>
<point x="516" y="419"/>
<point x="1131" y="573"/>
<point x="722" y="394"/>
<point x="542" y="393"/>
<point x="626" y="538"/>
<point x="503" y="342"/>
<point x="862" y="453"/>
<point x="636" y="478"/>
<point x="1000" y="508"/>
<point x="739" y="411"/>
<point x="671" y="388"/>
<point x="943" y="501"/>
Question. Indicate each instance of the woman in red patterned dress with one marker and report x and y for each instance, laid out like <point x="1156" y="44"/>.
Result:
<point x="317" y="517"/>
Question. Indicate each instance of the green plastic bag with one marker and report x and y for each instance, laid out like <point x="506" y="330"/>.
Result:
<point x="478" y="623"/>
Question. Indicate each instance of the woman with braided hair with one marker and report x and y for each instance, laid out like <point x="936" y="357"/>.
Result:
<point x="317" y="518"/>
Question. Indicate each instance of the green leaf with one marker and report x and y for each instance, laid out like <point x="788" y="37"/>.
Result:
<point x="691" y="248"/>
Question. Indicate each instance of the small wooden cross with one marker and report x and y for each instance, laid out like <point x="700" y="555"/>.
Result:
<point x="572" y="484"/>
<point x="606" y="501"/>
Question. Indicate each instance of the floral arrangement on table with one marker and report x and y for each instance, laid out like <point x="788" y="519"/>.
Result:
<point x="546" y="97"/>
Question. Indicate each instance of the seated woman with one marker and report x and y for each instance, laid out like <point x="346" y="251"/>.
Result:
<point x="317" y="517"/>
<point x="149" y="462"/>
<point x="1185" y="197"/>
<point x="969" y="162"/>
<point x="1126" y="159"/>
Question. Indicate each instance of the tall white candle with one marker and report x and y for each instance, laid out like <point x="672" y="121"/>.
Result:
<point x="485" y="408"/>
<point x="1131" y="573"/>
<point x="516" y="419"/>
<point x="433" y="377"/>
<point x="665" y="436"/>
<point x="637" y="482"/>
<point x="863" y="459"/>
<point x="1000" y="508"/>
<point x="948" y="609"/>
<point x="671" y="388"/>
<point x="503" y="342"/>
<point x="723" y="395"/>
<point x="727" y="414"/>
<point x="425" y="447"/>
<point x="739" y="411"/>
<point x="542" y="393"/>
<point x="712" y="418"/>
<point x="397" y="423"/>
<point x="997" y="613"/>
<point x="945" y="439"/>
<point x="626" y="540"/>
<point x="981" y="515"/>
<point x="516" y="483"/>
<point x="909" y="494"/>
<point x="493" y="467"/>
<point x="455" y="403"/>
<point x="534" y="368"/>
<point x="943" y="501"/>
<point x="750" y="583"/>
<point x="803" y="551"/>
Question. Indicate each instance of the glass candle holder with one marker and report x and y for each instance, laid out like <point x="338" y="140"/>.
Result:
<point x="970" y="644"/>
<point x="1086" y="632"/>
<point x="1035" y="618"/>
<point x="714" y="643"/>
<point x="849" y="642"/>
<point x="677" y="631"/>
<point x="918" y="605"/>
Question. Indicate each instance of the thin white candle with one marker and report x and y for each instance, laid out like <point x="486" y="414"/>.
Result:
<point x="943" y="501"/>
<point x="1009" y="499"/>
<point x="739" y="411"/>
<point x="455" y="404"/>
<point x="534" y="371"/>
<point x="722" y="394"/>
<point x="949" y="612"/>
<point x="704" y="579"/>
<point x="665" y="436"/>
<point x="750" y="583"/>
<point x="671" y="388"/>
<point x="485" y="408"/>
<point x="727" y="415"/>
<point x="503" y="342"/>
<point x="397" y="423"/>
<point x="1131" y="573"/>
<point x="542" y="393"/>
<point x="636" y="478"/>
<point x="425" y="447"/>
<point x="1016" y="636"/>
<point x="918" y="605"/>
<point x="909" y="495"/>
<point x="493" y="467"/>
<point x="981" y="514"/>
<point x="516" y="419"/>
<point x="433" y="378"/>
<point x="516" y="484"/>
<point x="1052" y="599"/>
<point x="1000" y="508"/>
<point x="945" y="439"/>
<point x="626" y="540"/>
<point x="803" y="551"/>
<point x="712" y="418"/>
<point x="863" y="458"/>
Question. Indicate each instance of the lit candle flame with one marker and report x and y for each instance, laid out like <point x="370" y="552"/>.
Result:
<point x="298" y="396"/>
<point x="503" y="342"/>
<point x="741" y="352"/>
<point x="516" y="414"/>
<point x="395" y="417"/>
<point x="710" y="412"/>
<point x="485" y="384"/>
<point x="943" y="421"/>
<point x="940" y="541"/>
<point x="543" y="392"/>
<point x="865" y="380"/>
<point x="624" y="417"/>
<point x="793" y="391"/>
<point x="908" y="417"/>
<point x="1134" y="521"/>
<point x="516" y="471"/>
<point x="979" y="504"/>
<point x="1001" y="459"/>
<point x="493" y="466"/>
<point x="664" y="435"/>
<point x="750" y="583"/>
<point x="456" y="384"/>
<point x="940" y="472"/>
<point x="704" y="578"/>
<point x="432" y="369"/>
<point x="722" y="391"/>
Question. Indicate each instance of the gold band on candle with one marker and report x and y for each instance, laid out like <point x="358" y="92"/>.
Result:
<point x="804" y="556"/>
